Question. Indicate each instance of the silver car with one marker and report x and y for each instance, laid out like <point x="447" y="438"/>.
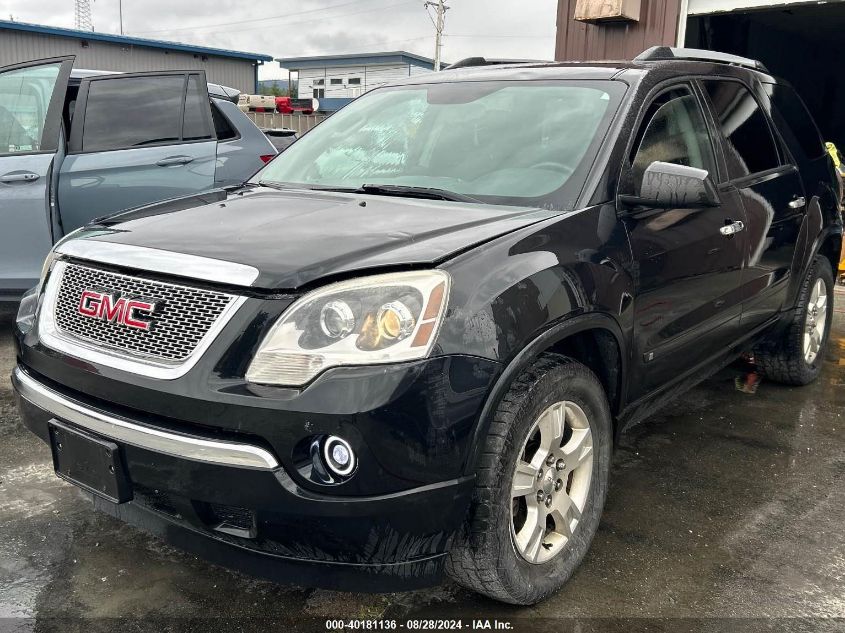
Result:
<point x="76" y="145"/>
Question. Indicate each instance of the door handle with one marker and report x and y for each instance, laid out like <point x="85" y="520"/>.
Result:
<point x="798" y="202"/>
<point x="732" y="229"/>
<point x="25" y="176"/>
<point x="174" y="160"/>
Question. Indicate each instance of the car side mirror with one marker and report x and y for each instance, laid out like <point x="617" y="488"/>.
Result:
<point x="670" y="186"/>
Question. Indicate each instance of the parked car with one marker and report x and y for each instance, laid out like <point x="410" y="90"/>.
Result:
<point x="281" y="138"/>
<point x="76" y="145"/>
<point x="288" y="105"/>
<point x="409" y="343"/>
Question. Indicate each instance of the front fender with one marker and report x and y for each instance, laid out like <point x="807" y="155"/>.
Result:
<point x="521" y="294"/>
<point x="547" y="339"/>
<point x="509" y="291"/>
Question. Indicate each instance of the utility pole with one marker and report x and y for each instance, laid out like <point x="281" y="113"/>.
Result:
<point x="439" y="22"/>
<point x="120" y="9"/>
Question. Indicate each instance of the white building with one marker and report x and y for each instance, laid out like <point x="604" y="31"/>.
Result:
<point x="337" y="79"/>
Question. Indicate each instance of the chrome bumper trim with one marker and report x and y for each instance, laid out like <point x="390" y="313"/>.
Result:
<point x="124" y="430"/>
<point x="160" y="261"/>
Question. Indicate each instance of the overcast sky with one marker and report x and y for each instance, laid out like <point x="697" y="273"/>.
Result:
<point x="493" y="28"/>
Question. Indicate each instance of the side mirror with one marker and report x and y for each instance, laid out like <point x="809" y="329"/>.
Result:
<point x="670" y="186"/>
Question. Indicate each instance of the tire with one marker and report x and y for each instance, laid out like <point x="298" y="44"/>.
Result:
<point x="486" y="555"/>
<point x="785" y="360"/>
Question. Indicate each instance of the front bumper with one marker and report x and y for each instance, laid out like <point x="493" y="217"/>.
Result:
<point x="233" y="503"/>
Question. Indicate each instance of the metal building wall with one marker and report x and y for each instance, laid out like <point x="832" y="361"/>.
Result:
<point x="22" y="46"/>
<point x="577" y="41"/>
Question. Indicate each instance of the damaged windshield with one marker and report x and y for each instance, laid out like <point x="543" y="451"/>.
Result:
<point x="526" y="142"/>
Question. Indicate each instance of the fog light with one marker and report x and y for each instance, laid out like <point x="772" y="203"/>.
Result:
<point x="339" y="456"/>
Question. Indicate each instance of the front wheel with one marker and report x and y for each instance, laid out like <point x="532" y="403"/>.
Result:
<point x="796" y="357"/>
<point x="541" y="485"/>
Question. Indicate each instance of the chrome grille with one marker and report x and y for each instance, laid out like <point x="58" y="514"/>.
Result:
<point x="184" y="315"/>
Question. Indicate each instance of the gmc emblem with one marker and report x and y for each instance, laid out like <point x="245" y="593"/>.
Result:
<point x="116" y="309"/>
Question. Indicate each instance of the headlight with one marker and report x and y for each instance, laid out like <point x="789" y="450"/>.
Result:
<point x="29" y="302"/>
<point x="52" y="256"/>
<point x="371" y="320"/>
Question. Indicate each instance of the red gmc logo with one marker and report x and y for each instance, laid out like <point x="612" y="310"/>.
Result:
<point x="128" y="312"/>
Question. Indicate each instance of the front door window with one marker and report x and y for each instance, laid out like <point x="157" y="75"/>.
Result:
<point x="675" y="133"/>
<point x="25" y="96"/>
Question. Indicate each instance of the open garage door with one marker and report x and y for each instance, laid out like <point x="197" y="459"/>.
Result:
<point x="804" y="44"/>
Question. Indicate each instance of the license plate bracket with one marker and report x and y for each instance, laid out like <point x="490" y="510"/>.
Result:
<point x="92" y="463"/>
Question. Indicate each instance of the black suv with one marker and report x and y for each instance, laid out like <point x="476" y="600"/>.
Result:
<point x="408" y="344"/>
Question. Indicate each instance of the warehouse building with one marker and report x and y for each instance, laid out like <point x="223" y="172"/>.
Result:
<point x="21" y="42"/>
<point x="337" y="79"/>
<point x="799" y="41"/>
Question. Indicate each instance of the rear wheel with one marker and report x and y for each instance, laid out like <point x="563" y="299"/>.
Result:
<point x="541" y="485"/>
<point x="796" y="357"/>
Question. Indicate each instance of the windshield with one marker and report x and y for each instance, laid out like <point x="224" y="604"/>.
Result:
<point x="511" y="142"/>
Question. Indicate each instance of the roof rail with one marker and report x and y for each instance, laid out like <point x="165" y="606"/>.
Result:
<point x="663" y="53"/>
<point x="483" y="61"/>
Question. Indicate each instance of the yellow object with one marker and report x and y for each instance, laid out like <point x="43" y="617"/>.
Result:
<point x="834" y="154"/>
<point x="836" y="157"/>
<point x="842" y="259"/>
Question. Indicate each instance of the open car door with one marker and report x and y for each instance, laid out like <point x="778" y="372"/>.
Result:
<point x="136" y="139"/>
<point x="32" y="96"/>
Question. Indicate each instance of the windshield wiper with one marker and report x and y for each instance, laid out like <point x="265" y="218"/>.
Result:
<point x="401" y="191"/>
<point x="408" y="191"/>
<point x="281" y="186"/>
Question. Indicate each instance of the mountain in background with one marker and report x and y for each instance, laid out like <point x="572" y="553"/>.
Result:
<point x="277" y="87"/>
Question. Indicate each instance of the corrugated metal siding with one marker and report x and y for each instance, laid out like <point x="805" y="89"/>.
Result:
<point x="380" y="75"/>
<point x="20" y="47"/>
<point x="577" y="41"/>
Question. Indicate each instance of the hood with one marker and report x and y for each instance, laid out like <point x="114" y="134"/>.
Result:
<point x="294" y="238"/>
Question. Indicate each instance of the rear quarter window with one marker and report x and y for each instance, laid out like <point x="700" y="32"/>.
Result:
<point x="197" y="124"/>
<point x="794" y="116"/>
<point x="223" y="128"/>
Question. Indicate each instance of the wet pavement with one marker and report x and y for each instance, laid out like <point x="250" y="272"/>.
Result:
<point x="726" y="512"/>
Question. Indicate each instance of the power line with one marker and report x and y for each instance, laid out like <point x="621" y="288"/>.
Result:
<point x="277" y="17"/>
<point x="482" y="36"/>
<point x="320" y="19"/>
<point x="348" y="52"/>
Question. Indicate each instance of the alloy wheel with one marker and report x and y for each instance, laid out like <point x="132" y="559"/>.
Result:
<point x="816" y="321"/>
<point x="551" y="482"/>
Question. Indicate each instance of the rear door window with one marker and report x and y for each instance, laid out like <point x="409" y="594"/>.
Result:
<point x="123" y="113"/>
<point x="750" y="146"/>
<point x="25" y="95"/>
